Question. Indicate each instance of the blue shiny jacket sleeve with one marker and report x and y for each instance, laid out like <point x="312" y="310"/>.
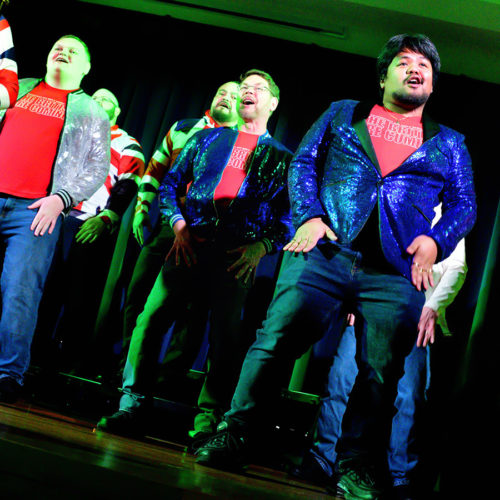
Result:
<point x="306" y="170"/>
<point x="458" y="198"/>
<point x="175" y="182"/>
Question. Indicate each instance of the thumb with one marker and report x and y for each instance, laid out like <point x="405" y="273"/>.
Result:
<point x="36" y="204"/>
<point x="330" y="234"/>
<point x="412" y="248"/>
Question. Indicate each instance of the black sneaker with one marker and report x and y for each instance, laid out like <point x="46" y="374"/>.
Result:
<point x="123" y="423"/>
<point x="227" y="449"/>
<point x="198" y="439"/>
<point x="9" y="390"/>
<point x="357" y="480"/>
<point x="310" y="470"/>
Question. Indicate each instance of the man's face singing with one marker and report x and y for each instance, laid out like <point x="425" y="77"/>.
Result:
<point x="408" y="82"/>
<point x="69" y="57"/>
<point x="225" y="103"/>
<point x="256" y="98"/>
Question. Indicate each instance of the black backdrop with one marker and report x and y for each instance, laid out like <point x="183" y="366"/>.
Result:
<point x="162" y="69"/>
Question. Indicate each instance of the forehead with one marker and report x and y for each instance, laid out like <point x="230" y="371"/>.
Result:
<point x="228" y="87"/>
<point x="105" y="94"/>
<point x="254" y="80"/>
<point x="69" y="43"/>
<point x="410" y="54"/>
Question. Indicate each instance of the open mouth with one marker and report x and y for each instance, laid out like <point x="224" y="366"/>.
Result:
<point x="248" y="101"/>
<point x="414" y="81"/>
<point x="62" y="59"/>
<point x="224" y="104"/>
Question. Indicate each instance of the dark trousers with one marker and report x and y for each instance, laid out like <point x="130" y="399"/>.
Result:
<point x="313" y="293"/>
<point x="205" y="286"/>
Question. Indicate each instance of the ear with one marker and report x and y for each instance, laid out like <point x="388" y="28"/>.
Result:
<point x="382" y="83"/>
<point x="117" y="111"/>
<point x="274" y="103"/>
<point x="86" y="69"/>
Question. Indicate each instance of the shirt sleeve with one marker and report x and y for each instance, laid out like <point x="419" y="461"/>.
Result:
<point x="9" y="86"/>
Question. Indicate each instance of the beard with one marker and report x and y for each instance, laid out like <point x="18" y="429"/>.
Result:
<point x="221" y="114"/>
<point x="410" y="101"/>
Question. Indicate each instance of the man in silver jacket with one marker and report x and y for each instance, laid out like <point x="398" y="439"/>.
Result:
<point x="54" y="153"/>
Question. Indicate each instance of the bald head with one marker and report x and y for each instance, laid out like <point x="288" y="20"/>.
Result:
<point x="108" y="101"/>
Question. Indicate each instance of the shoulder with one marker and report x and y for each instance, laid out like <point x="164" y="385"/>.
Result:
<point x="186" y="124"/>
<point x="274" y="143"/>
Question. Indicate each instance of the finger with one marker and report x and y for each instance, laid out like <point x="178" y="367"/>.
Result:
<point x="425" y="279"/>
<point x="44" y="224"/>
<point x="421" y="333"/>
<point x="302" y="244"/>
<point x="235" y="250"/>
<point x="291" y="246"/>
<point x="170" y="252"/>
<point x="414" y="275"/>
<point x="431" y="278"/>
<point x="311" y="243"/>
<point x="238" y="263"/>
<point x="249" y="274"/>
<point x="52" y="225"/>
<point x="186" y="257"/>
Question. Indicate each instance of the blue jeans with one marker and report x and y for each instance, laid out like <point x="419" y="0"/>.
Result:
<point x="27" y="260"/>
<point x="402" y="455"/>
<point x="313" y="293"/>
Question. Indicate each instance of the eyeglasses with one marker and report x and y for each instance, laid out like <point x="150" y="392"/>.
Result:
<point x="259" y="90"/>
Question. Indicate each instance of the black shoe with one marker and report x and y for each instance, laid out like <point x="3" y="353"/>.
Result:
<point x="9" y="390"/>
<point x="357" y="480"/>
<point x="196" y="441"/>
<point x="311" y="471"/>
<point x="227" y="449"/>
<point x="124" y="423"/>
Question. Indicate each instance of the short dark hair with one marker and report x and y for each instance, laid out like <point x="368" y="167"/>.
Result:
<point x="416" y="43"/>
<point x="84" y="45"/>
<point x="275" y="91"/>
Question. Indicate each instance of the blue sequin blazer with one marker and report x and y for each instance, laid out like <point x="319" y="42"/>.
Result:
<point x="261" y="209"/>
<point x="335" y="175"/>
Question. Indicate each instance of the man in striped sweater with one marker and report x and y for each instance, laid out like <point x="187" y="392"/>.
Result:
<point x="87" y="243"/>
<point x="222" y="113"/>
<point x="9" y="85"/>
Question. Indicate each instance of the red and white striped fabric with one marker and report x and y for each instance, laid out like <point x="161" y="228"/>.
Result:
<point x="127" y="163"/>
<point x="9" y="86"/>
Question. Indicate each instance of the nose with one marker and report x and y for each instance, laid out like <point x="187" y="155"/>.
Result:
<point x="412" y="68"/>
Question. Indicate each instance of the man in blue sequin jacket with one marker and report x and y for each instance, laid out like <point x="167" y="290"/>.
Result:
<point x="235" y="212"/>
<point x="363" y="185"/>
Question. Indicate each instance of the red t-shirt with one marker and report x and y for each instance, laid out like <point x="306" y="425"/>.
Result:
<point x="28" y="141"/>
<point x="236" y="169"/>
<point x="393" y="142"/>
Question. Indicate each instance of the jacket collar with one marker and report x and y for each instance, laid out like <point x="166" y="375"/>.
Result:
<point x="363" y="108"/>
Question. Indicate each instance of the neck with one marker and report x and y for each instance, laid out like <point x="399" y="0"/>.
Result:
<point x="225" y="124"/>
<point x="256" y="126"/>
<point x="401" y="110"/>
<point x="59" y="81"/>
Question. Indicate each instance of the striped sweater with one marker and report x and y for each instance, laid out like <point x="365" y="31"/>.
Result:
<point x="165" y="155"/>
<point x="125" y="172"/>
<point x="9" y="86"/>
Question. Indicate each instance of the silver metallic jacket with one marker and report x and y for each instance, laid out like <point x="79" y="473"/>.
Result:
<point x="83" y="152"/>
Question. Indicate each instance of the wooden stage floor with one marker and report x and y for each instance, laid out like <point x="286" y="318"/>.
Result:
<point x="48" y="453"/>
